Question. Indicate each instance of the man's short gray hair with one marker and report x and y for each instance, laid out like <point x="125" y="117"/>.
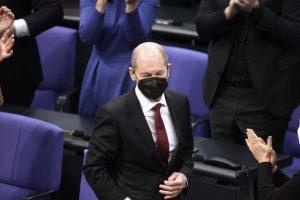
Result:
<point x="136" y="51"/>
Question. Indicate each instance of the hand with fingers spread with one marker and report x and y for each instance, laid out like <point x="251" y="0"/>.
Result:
<point x="173" y="186"/>
<point x="6" y="44"/>
<point x="6" y="18"/>
<point x="262" y="151"/>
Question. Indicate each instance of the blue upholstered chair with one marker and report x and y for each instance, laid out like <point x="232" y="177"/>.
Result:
<point x="291" y="143"/>
<point x="31" y="154"/>
<point x="86" y="192"/>
<point x="57" y="48"/>
<point x="186" y="76"/>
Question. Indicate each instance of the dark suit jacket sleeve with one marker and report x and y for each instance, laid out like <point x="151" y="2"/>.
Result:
<point x="278" y="19"/>
<point x="278" y="186"/>
<point x="103" y="149"/>
<point x="210" y="21"/>
<point x="281" y="21"/>
<point x="47" y="13"/>
<point x="188" y="163"/>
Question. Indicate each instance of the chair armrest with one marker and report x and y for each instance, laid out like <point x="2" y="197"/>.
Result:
<point x="63" y="97"/>
<point x="39" y="195"/>
<point x="199" y="120"/>
<point x="200" y="126"/>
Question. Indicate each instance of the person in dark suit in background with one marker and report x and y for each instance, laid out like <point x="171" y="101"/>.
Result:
<point x="273" y="184"/>
<point x="254" y="64"/>
<point x="132" y="153"/>
<point x="21" y="74"/>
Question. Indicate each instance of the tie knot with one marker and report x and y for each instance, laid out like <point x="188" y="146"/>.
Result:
<point x="157" y="107"/>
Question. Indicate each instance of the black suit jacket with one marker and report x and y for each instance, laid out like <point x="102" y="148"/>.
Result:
<point x="23" y="70"/>
<point x="277" y="186"/>
<point x="123" y="161"/>
<point x="272" y="50"/>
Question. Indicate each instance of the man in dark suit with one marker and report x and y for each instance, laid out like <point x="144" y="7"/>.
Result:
<point x="252" y="78"/>
<point x="21" y="74"/>
<point x="129" y="156"/>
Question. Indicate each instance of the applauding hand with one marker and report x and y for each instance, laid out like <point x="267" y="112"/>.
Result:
<point x="6" y="18"/>
<point x="6" y="44"/>
<point x="262" y="151"/>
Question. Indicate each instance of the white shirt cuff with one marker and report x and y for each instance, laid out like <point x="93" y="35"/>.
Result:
<point x="21" y="28"/>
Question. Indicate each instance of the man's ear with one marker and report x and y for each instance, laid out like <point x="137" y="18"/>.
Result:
<point x="132" y="74"/>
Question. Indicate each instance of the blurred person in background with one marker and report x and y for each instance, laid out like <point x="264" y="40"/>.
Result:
<point x="21" y="74"/>
<point x="113" y="28"/>
<point x="273" y="184"/>
<point x="253" y="70"/>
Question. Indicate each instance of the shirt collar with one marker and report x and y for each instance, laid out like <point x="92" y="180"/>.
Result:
<point x="147" y="103"/>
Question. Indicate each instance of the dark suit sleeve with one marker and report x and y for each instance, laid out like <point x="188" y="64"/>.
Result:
<point x="103" y="149"/>
<point x="46" y="14"/>
<point x="210" y="21"/>
<point x="188" y="162"/>
<point x="278" y="186"/>
<point x="283" y="24"/>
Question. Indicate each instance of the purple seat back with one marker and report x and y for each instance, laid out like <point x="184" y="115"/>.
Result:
<point x="57" y="48"/>
<point x="186" y="76"/>
<point x="31" y="153"/>
<point x="86" y="192"/>
<point x="291" y="143"/>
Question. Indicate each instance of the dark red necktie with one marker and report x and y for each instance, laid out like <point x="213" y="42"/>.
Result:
<point x="162" y="142"/>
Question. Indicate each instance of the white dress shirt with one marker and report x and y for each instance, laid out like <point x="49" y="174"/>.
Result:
<point x="21" y="27"/>
<point x="147" y="105"/>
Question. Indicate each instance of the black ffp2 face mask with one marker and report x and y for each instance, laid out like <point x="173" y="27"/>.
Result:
<point x="153" y="87"/>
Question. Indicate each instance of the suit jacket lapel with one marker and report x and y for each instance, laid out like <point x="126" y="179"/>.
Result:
<point x="177" y="121"/>
<point x="135" y="114"/>
<point x="176" y="114"/>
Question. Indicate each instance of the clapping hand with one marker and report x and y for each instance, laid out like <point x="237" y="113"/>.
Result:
<point x="262" y="151"/>
<point x="235" y="6"/>
<point x="6" y="44"/>
<point x="131" y="5"/>
<point x="6" y="18"/>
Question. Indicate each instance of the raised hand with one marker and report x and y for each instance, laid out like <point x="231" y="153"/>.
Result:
<point x="6" y="44"/>
<point x="6" y="18"/>
<point x="131" y="5"/>
<point x="263" y="152"/>
<point x="235" y="6"/>
<point x="101" y="5"/>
